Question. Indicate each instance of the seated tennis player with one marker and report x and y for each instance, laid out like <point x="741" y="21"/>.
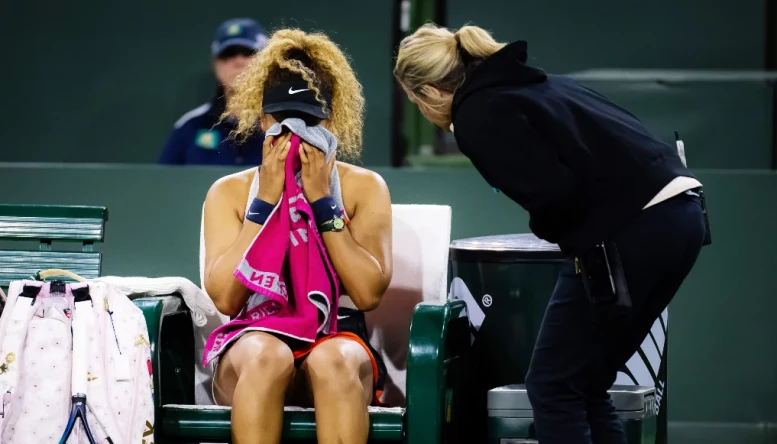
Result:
<point x="306" y="76"/>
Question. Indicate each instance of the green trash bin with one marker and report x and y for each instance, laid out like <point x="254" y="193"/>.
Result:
<point x="506" y="281"/>
<point x="510" y="414"/>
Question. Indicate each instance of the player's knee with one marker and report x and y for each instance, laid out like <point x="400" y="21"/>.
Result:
<point x="336" y="369"/>
<point x="264" y="358"/>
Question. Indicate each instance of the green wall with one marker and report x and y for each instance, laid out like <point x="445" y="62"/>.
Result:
<point x="724" y="124"/>
<point x="105" y="81"/>
<point x="572" y="35"/>
<point x="93" y="81"/>
<point x="722" y="356"/>
<point x="713" y="117"/>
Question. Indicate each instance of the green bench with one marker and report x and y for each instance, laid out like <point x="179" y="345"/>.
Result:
<point x="439" y="334"/>
<point x="47" y="224"/>
<point x="437" y="338"/>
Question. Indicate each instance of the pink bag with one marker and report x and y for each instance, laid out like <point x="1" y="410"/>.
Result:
<point x="59" y="343"/>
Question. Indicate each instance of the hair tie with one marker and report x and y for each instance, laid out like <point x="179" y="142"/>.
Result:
<point x="466" y="57"/>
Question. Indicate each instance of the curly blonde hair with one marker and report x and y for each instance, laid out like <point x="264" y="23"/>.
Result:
<point x="292" y="52"/>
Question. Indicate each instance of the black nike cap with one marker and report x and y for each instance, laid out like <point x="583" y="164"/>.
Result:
<point x="296" y="95"/>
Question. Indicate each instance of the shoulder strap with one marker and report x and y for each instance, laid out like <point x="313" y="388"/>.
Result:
<point x="18" y="316"/>
<point x="83" y="322"/>
<point x="253" y="190"/>
<point x="14" y="289"/>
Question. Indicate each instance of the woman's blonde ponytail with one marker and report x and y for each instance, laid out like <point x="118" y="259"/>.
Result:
<point x="477" y="42"/>
<point x="434" y="56"/>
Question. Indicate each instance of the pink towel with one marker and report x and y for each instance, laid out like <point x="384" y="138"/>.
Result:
<point x="287" y="265"/>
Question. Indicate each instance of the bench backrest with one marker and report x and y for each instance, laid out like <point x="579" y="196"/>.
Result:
<point x="48" y="224"/>
<point x="421" y="240"/>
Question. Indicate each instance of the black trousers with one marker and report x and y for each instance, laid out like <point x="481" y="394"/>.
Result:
<point x="576" y="360"/>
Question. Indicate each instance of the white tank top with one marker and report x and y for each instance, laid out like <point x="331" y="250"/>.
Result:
<point x="254" y="189"/>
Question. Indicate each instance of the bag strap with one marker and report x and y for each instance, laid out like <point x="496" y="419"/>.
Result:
<point x="56" y="272"/>
<point x="12" y="342"/>
<point x="83" y="323"/>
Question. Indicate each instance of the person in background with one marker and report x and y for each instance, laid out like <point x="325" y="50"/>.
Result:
<point x="201" y="137"/>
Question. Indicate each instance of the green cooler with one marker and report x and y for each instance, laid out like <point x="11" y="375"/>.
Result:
<point x="510" y="414"/>
<point x="506" y="281"/>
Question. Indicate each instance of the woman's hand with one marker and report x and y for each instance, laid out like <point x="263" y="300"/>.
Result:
<point x="272" y="173"/>
<point x="316" y="172"/>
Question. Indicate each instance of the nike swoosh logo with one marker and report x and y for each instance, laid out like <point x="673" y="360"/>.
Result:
<point x="251" y="214"/>
<point x="334" y="207"/>
<point x="292" y="91"/>
<point x="340" y="318"/>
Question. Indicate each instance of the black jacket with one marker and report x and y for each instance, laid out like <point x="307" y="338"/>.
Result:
<point x="580" y="165"/>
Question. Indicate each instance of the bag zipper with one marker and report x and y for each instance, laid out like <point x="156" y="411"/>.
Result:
<point x="120" y="362"/>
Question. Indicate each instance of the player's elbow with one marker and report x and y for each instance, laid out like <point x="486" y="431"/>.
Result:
<point x="368" y="293"/>
<point x="226" y="307"/>
<point x="220" y="295"/>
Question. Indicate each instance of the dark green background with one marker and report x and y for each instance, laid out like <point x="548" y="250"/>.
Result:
<point x="568" y="35"/>
<point x="97" y="81"/>
<point x="723" y="124"/>
<point x="94" y="81"/>
<point x="723" y="360"/>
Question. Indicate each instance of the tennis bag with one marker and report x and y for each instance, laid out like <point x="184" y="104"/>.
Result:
<point x="75" y="366"/>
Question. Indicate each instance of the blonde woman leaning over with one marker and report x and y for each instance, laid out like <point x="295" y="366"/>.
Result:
<point x="306" y="76"/>
<point x="618" y="201"/>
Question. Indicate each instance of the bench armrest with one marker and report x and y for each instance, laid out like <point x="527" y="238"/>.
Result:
<point x="439" y="335"/>
<point x="171" y="335"/>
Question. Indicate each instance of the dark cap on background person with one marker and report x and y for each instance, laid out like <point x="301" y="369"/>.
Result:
<point x="238" y="32"/>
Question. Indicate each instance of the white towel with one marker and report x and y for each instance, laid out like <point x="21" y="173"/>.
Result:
<point x="200" y="305"/>
<point x="205" y="317"/>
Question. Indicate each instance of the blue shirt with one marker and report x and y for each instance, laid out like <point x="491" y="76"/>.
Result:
<point x="198" y="139"/>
